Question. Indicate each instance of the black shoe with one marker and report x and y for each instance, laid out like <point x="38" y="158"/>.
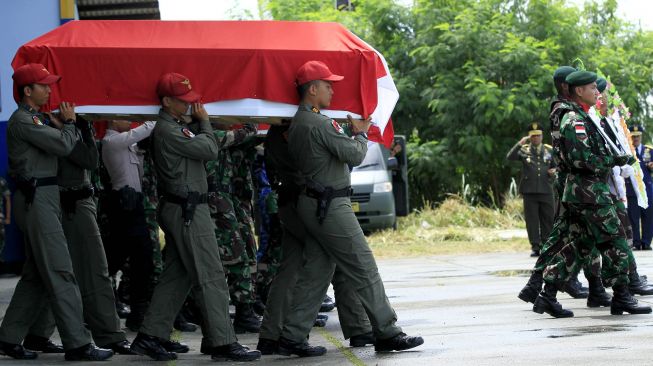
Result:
<point x="597" y="297"/>
<point x="41" y="344"/>
<point x="535" y="253"/>
<point x="303" y="349"/>
<point x="88" y="352"/>
<point x="532" y="289"/>
<point x="122" y="309"/>
<point x="16" y="351"/>
<point x="646" y="247"/>
<point x="639" y="287"/>
<point x="245" y="320"/>
<point x="267" y="346"/>
<point x="327" y="305"/>
<point x="400" y="342"/>
<point x="362" y="340"/>
<point x="184" y="326"/>
<point x="234" y="352"/>
<point x="120" y="347"/>
<point x="623" y="301"/>
<point x="151" y="346"/>
<point x="575" y="289"/>
<point x="546" y="302"/>
<point x="174" y="346"/>
<point x="320" y="320"/>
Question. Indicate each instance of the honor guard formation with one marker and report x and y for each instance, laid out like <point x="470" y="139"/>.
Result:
<point x="91" y="212"/>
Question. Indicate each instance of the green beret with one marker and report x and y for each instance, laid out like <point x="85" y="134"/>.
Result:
<point x="581" y="77"/>
<point x="601" y="84"/>
<point x="561" y="73"/>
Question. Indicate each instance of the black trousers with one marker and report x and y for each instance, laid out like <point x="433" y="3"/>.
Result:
<point x="128" y="238"/>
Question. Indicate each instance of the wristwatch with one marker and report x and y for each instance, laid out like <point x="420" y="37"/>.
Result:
<point x="361" y="134"/>
<point x="69" y="121"/>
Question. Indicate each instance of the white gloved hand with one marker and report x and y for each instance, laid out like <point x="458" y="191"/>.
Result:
<point x="627" y="171"/>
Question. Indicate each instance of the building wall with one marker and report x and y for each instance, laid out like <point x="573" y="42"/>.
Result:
<point x="20" y="22"/>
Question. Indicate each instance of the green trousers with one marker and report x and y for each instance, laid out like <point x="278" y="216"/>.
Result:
<point x="353" y="319"/>
<point x="338" y="241"/>
<point x="192" y="263"/>
<point x="47" y="275"/>
<point x="601" y="229"/>
<point x="92" y="274"/>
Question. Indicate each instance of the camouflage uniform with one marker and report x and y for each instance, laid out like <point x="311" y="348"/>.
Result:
<point x="242" y="159"/>
<point x="5" y="194"/>
<point x="221" y="205"/>
<point x="150" y="202"/>
<point x="589" y="202"/>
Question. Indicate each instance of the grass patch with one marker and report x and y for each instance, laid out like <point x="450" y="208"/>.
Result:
<point x="454" y="227"/>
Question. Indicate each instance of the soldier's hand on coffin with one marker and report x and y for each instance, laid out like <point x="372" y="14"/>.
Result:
<point x="67" y="111"/>
<point x="198" y="112"/>
<point x="54" y="121"/>
<point x="359" y="125"/>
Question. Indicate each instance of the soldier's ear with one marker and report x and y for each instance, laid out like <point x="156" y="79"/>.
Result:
<point x="165" y="101"/>
<point x="27" y="90"/>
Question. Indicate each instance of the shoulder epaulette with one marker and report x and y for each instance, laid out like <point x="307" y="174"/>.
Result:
<point x="548" y="146"/>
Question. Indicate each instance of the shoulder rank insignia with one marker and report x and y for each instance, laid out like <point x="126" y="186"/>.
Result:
<point x="187" y="133"/>
<point x="337" y="126"/>
<point x="315" y="110"/>
<point x="37" y="120"/>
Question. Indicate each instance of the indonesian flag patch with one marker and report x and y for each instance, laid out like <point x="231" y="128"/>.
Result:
<point x="580" y="130"/>
<point x="37" y="120"/>
<point x="337" y="126"/>
<point x="187" y="133"/>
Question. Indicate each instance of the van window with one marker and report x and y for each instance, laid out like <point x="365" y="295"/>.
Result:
<point x="374" y="159"/>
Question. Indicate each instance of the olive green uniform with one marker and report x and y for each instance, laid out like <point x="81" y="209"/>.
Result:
<point x="536" y="189"/>
<point x="85" y="246"/>
<point x="192" y="261"/>
<point x="352" y="316"/>
<point x="325" y="153"/>
<point x="33" y="149"/>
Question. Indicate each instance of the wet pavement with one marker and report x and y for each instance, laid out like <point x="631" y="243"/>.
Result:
<point x="467" y="310"/>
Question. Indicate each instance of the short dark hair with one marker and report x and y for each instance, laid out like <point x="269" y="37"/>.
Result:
<point x="303" y="89"/>
<point x="558" y="85"/>
<point x="572" y="90"/>
<point x="21" y="91"/>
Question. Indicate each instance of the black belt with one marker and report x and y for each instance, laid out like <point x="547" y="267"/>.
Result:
<point x="70" y="197"/>
<point x="188" y="204"/>
<point x="28" y="186"/>
<point x="344" y="192"/>
<point x="179" y="200"/>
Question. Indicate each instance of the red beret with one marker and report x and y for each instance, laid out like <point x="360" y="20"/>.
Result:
<point x="33" y="74"/>
<point x="178" y="86"/>
<point x="315" y="70"/>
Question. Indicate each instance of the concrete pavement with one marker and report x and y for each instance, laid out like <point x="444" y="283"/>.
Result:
<point x="467" y="310"/>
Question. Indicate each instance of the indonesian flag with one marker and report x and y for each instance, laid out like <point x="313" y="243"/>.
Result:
<point x="241" y="68"/>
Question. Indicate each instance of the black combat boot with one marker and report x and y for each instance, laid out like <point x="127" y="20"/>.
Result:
<point x="320" y="320"/>
<point x="41" y="344"/>
<point x="301" y="349"/>
<point x="152" y="346"/>
<point x="624" y="301"/>
<point x="637" y="286"/>
<point x="327" y="304"/>
<point x="267" y="346"/>
<point x="597" y="297"/>
<point x="16" y="351"/>
<point x="533" y="287"/>
<point x="546" y="302"/>
<point x="88" y="352"/>
<point x="362" y="340"/>
<point x="234" y="352"/>
<point x="575" y="289"/>
<point x="246" y="321"/>
<point x="182" y="325"/>
<point x="400" y="342"/>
